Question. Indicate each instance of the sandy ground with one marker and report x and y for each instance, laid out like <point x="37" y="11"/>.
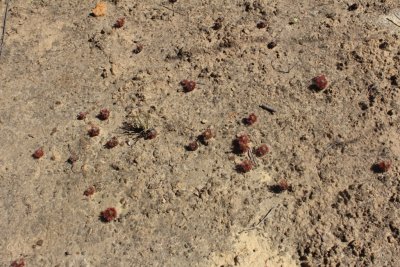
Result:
<point x="193" y="208"/>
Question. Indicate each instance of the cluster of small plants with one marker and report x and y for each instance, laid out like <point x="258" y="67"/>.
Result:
<point x="204" y="138"/>
<point x="140" y="129"/>
<point x="241" y="145"/>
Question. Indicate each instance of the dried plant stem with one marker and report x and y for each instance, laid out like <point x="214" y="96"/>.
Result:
<point x="255" y="226"/>
<point x="398" y="25"/>
<point x="4" y="26"/>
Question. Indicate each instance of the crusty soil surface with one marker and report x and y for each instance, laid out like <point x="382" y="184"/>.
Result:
<point x="195" y="208"/>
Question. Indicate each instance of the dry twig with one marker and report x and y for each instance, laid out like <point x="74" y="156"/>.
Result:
<point x="268" y="108"/>
<point x="392" y="21"/>
<point x="255" y="226"/>
<point x="4" y="26"/>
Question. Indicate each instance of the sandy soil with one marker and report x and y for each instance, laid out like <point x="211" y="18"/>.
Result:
<point x="193" y="208"/>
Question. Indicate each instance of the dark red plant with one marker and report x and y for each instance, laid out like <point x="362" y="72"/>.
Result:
<point x="382" y="166"/>
<point x="89" y="191"/>
<point x="207" y="134"/>
<point x="245" y="166"/>
<point x="108" y="215"/>
<point x="188" y="85"/>
<point x="280" y="187"/>
<point x="94" y="131"/>
<point x="244" y="138"/>
<point x="320" y="82"/>
<point x="113" y="142"/>
<point x="241" y="144"/>
<point x="81" y="115"/>
<point x="251" y="119"/>
<point x="119" y="23"/>
<point x="150" y="134"/>
<point x="261" y="150"/>
<point x="205" y="137"/>
<point x="38" y="153"/>
<point x="18" y="263"/>
<point x="103" y="114"/>
<point x="192" y="146"/>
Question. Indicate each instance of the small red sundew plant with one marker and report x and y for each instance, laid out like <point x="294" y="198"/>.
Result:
<point x="251" y="119"/>
<point x="280" y="187"/>
<point x="244" y="138"/>
<point x="94" y="131"/>
<point x="108" y="215"/>
<point x="261" y="150"/>
<point x="192" y="146"/>
<point x="320" y="82"/>
<point x="241" y="144"/>
<point x="150" y="134"/>
<point x="188" y="85"/>
<point x="81" y="116"/>
<point x="245" y="166"/>
<point x="113" y="142"/>
<point x="382" y="166"/>
<point x="38" y="153"/>
<point x="18" y="263"/>
<point x="89" y="191"/>
<point x="103" y="114"/>
<point x="206" y="136"/>
<point x="119" y="23"/>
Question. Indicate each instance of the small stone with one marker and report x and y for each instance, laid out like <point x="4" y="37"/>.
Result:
<point x="106" y="29"/>
<point x="55" y="156"/>
<point x="384" y="45"/>
<point x="353" y="7"/>
<point x="271" y="45"/>
<point x="100" y="9"/>
<point x="261" y="24"/>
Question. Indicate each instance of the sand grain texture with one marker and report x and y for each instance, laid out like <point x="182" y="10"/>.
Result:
<point x="189" y="208"/>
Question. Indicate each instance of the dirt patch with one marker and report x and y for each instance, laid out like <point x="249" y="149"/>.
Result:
<point x="177" y="207"/>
